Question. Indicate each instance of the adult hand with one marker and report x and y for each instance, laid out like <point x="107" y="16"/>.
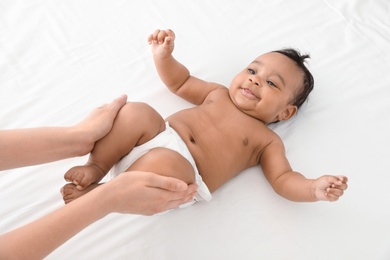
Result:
<point x="147" y="193"/>
<point x="30" y="146"/>
<point x="99" y="122"/>
<point x="131" y="192"/>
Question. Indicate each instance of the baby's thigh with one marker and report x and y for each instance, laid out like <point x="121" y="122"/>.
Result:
<point x="165" y="162"/>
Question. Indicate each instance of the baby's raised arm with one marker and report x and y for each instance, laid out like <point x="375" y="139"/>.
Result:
<point x="174" y="74"/>
<point x="171" y="72"/>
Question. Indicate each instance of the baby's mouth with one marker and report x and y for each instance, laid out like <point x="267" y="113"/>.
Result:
<point x="249" y="94"/>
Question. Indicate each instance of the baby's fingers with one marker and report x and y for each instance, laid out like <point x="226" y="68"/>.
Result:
<point x="162" y="36"/>
<point x="343" y="179"/>
<point x="171" y="35"/>
<point x="333" y="194"/>
<point x="150" y="39"/>
<point x="341" y="186"/>
<point x="154" y="37"/>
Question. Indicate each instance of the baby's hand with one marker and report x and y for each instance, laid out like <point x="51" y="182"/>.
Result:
<point x="162" y="42"/>
<point x="329" y="188"/>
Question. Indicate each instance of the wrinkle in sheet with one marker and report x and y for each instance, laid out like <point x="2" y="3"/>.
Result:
<point x="370" y="19"/>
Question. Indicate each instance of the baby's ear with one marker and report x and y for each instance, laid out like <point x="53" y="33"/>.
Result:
<point x="288" y="112"/>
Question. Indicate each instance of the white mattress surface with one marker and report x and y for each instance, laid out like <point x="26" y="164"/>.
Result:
<point x="60" y="59"/>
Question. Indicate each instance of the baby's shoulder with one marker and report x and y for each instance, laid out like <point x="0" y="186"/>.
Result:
<point x="266" y="136"/>
<point x="220" y="94"/>
<point x="219" y="90"/>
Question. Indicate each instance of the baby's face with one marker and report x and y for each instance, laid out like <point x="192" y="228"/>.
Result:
<point x="266" y="88"/>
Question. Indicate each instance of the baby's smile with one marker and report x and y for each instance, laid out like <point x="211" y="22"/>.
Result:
<point x="249" y="93"/>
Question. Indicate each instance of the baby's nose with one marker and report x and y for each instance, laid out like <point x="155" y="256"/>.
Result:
<point x="254" y="81"/>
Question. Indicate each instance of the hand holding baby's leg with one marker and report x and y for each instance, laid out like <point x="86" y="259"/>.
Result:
<point x="96" y="125"/>
<point x="329" y="188"/>
<point x="135" y="124"/>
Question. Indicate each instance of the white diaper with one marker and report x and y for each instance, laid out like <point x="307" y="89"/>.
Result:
<point x="168" y="139"/>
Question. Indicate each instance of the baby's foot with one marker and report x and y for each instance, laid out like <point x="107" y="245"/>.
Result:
<point x="83" y="176"/>
<point x="70" y="192"/>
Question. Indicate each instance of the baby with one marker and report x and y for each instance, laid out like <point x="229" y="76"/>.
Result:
<point x="214" y="141"/>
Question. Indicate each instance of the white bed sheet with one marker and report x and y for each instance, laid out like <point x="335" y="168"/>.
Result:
<point x="60" y="59"/>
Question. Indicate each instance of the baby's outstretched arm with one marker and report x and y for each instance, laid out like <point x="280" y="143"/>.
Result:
<point x="329" y="188"/>
<point x="293" y="185"/>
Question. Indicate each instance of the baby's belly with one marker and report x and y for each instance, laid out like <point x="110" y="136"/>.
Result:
<point x="215" y="169"/>
<point x="219" y="156"/>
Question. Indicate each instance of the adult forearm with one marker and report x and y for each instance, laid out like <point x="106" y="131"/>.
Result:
<point x="37" y="239"/>
<point x="295" y="187"/>
<point x="171" y="72"/>
<point x="24" y="147"/>
<point x="131" y="192"/>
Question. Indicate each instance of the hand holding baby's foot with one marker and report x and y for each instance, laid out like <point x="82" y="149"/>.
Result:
<point x="329" y="188"/>
<point x="83" y="176"/>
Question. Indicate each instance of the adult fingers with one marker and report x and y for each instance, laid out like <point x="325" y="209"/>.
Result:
<point x="173" y="204"/>
<point x="166" y="183"/>
<point x="118" y="103"/>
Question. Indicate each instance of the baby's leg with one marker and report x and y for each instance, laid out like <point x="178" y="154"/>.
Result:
<point x="135" y="124"/>
<point x="162" y="161"/>
<point x="165" y="162"/>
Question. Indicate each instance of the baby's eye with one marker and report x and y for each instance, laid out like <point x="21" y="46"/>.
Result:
<point x="251" y="71"/>
<point x="271" y="83"/>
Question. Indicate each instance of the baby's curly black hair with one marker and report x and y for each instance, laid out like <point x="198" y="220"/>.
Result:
<point x="308" y="80"/>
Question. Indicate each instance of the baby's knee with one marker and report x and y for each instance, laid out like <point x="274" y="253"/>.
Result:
<point x="141" y="120"/>
<point x="139" y="110"/>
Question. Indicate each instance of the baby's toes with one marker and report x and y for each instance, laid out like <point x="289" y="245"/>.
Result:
<point x="76" y="176"/>
<point x="68" y="193"/>
<point x="71" y="174"/>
